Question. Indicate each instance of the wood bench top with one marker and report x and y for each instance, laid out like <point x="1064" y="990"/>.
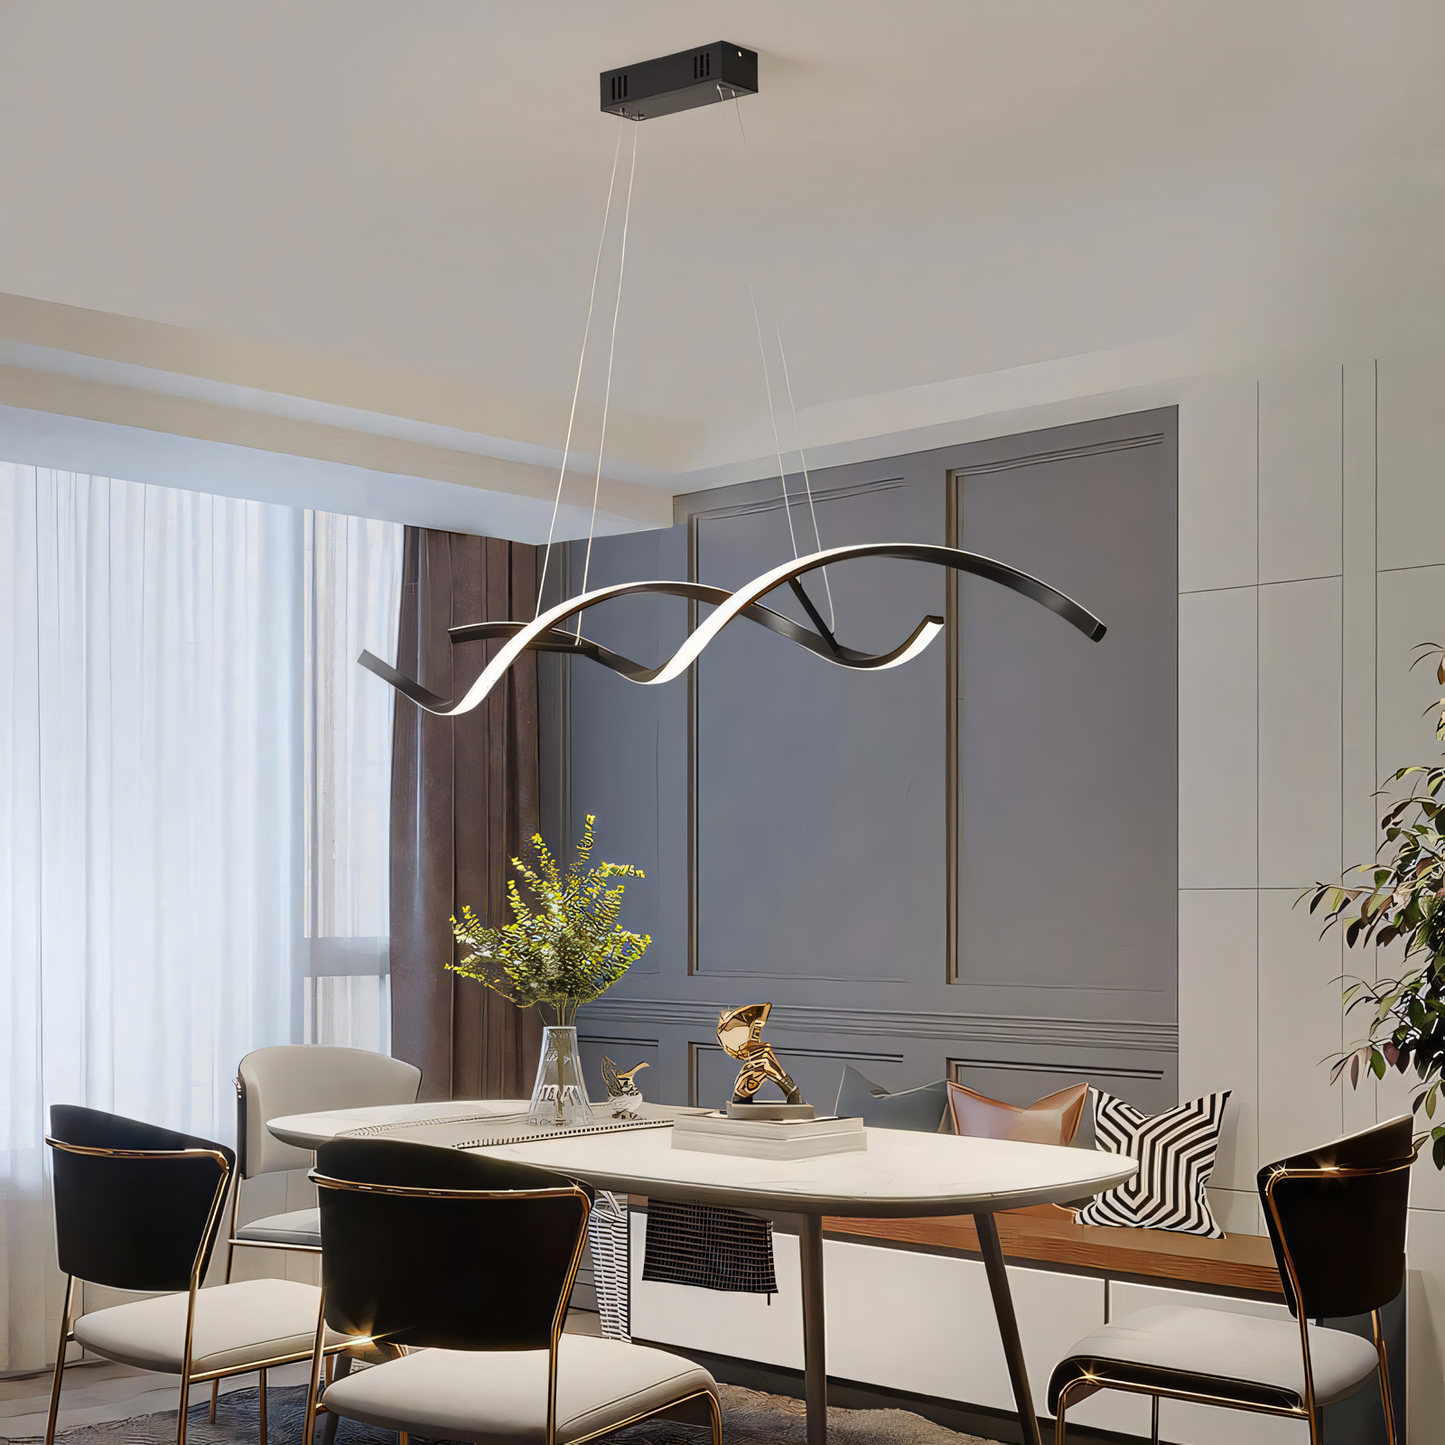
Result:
<point x="1238" y="1262"/>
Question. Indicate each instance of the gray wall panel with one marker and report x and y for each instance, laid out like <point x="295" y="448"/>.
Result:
<point x="820" y="809"/>
<point x="1068" y="864"/>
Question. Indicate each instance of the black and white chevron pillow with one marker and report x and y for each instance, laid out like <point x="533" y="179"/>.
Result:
<point x="1175" y="1151"/>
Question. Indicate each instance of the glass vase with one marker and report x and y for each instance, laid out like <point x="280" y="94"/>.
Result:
<point x="559" y="1096"/>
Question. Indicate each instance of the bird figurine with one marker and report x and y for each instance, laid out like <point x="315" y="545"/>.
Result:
<point x="622" y="1091"/>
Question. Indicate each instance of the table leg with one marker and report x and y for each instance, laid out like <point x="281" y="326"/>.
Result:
<point x="815" y="1359"/>
<point x="1008" y="1326"/>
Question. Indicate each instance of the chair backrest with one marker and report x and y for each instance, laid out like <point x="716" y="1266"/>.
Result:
<point x="433" y="1247"/>
<point x="308" y="1079"/>
<point x="136" y="1206"/>
<point x="1336" y="1218"/>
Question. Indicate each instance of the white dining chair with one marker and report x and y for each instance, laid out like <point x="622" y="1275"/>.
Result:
<point x="300" y="1079"/>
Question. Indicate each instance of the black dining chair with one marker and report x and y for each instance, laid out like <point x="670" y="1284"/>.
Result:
<point x="473" y="1260"/>
<point x="138" y="1207"/>
<point x="1336" y="1217"/>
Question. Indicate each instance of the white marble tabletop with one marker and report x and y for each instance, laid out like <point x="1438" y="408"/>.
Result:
<point x="309" y="1131"/>
<point x="899" y="1174"/>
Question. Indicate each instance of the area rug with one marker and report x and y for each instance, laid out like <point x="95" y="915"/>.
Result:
<point x="749" y="1418"/>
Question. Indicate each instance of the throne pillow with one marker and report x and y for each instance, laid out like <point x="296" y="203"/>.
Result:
<point x="1175" y="1151"/>
<point x="921" y="1109"/>
<point x="1051" y="1120"/>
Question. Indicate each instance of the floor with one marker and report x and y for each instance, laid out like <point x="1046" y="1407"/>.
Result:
<point x="96" y="1391"/>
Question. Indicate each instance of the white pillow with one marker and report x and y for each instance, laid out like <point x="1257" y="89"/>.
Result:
<point x="1175" y="1151"/>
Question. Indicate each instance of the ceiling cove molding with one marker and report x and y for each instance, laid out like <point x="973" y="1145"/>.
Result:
<point x="315" y="448"/>
<point x="448" y="411"/>
<point x="880" y="1023"/>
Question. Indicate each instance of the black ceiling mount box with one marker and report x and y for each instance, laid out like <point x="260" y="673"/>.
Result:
<point x="679" y="82"/>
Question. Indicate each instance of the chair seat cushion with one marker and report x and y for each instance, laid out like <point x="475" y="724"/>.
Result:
<point x="1241" y="1358"/>
<point x="300" y="1226"/>
<point x="502" y="1396"/>
<point x="236" y="1325"/>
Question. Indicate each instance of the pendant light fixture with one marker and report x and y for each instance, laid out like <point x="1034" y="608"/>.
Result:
<point x="704" y="76"/>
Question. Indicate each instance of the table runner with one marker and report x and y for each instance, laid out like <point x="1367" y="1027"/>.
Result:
<point x="485" y="1131"/>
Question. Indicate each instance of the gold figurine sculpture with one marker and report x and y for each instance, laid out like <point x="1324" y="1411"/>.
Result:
<point x="622" y="1091"/>
<point x="740" y="1032"/>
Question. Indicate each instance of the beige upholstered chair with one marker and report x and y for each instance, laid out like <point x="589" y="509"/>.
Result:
<point x="138" y="1207"/>
<point x="471" y="1261"/>
<point x="1336" y="1218"/>
<point x="300" y="1079"/>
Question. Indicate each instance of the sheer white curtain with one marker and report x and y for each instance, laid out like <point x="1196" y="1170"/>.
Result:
<point x="352" y="600"/>
<point x="154" y="808"/>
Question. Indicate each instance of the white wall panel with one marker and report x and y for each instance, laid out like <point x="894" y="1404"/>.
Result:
<point x="1219" y="1017"/>
<point x="1126" y="1298"/>
<point x="896" y="1318"/>
<point x="1411" y="445"/>
<point x="1425" y="1308"/>
<point x="1218" y="475"/>
<point x="1299" y="733"/>
<point x="1236" y="1210"/>
<point x="1411" y="610"/>
<point x="1299" y="1028"/>
<point x="1218" y="739"/>
<point x="1392" y="1097"/>
<point x="1358" y="769"/>
<point x="925" y="1323"/>
<point x="1300" y="474"/>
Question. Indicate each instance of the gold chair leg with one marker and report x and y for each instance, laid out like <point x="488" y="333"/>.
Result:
<point x="261" y="1404"/>
<point x="183" y="1405"/>
<point x="215" y="1395"/>
<point x="1384" y="1369"/>
<point x="1154" y="1420"/>
<point x="313" y="1382"/>
<point x="59" y="1360"/>
<point x="714" y="1410"/>
<point x="329" y="1424"/>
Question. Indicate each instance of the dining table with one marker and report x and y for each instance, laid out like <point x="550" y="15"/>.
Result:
<point x="899" y="1174"/>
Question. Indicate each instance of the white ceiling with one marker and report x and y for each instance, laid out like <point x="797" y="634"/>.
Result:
<point x="361" y="232"/>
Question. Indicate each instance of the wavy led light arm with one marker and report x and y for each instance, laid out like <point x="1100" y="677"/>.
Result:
<point x="545" y="635"/>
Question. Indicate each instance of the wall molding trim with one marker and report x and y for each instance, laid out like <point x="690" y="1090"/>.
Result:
<point x="1061" y="454"/>
<point x="999" y="1030"/>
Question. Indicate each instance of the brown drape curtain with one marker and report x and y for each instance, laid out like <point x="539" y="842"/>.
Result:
<point x="464" y="799"/>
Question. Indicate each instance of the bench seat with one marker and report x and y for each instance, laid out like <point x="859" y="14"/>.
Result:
<point x="1240" y="1262"/>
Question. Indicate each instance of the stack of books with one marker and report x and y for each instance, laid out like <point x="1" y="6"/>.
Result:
<point x="713" y="1132"/>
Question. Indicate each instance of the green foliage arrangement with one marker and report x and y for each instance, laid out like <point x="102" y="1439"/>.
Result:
<point x="562" y="949"/>
<point x="1403" y="899"/>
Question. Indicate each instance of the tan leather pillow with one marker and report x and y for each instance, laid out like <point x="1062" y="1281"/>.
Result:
<point x="1051" y="1120"/>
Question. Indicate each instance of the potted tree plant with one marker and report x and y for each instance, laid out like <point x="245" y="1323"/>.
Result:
<point x="562" y="949"/>
<point x="1401" y="900"/>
